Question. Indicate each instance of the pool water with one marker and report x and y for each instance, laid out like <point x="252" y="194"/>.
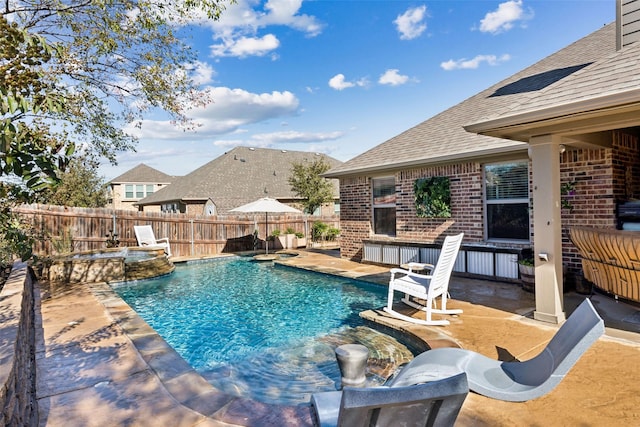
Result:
<point x="260" y="330"/>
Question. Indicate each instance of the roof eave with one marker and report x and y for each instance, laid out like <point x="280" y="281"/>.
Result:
<point x="495" y="153"/>
<point x="606" y="112"/>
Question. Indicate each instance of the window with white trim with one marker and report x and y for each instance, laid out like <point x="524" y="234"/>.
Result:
<point x="384" y="206"/>
<point x="137" y="191"/>
<point x="507" y="200"/>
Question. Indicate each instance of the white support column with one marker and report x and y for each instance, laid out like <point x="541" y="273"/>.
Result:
<point x="545" y="159"/>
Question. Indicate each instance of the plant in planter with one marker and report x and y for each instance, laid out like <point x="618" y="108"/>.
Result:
<point x="300" y="241"/>
<point x="276" y="239"/>
<point x="526" y="266"/>
<point x="290" y="235"/>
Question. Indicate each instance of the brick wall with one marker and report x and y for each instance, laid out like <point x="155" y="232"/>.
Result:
<point x="602" y="178"/>
<point x="17" y="354"/>
<point x="355" y="215"/>
<point x="466" y="208"/>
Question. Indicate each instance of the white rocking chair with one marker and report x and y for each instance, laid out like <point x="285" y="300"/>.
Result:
<point x="426" y="287"/>
<point x="146" y="238"/>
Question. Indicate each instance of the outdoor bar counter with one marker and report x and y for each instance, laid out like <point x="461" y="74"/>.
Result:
<point x="610" y="259"/>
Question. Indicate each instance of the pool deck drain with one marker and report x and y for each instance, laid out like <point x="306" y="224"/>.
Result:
<point x="98" y="365"/>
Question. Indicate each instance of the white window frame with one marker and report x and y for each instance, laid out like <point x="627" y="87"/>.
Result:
<point x="375" y="206"/>
<point x="505" y="201"/>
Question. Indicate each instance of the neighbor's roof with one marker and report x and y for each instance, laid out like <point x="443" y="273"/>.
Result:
<point x="443" y="139"/>
<point x="143" y="174"/>
<point x="239" y="176"/>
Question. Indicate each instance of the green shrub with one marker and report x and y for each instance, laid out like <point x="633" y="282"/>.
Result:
<point x="318" y="231"/>
<point x="332" y="233"/>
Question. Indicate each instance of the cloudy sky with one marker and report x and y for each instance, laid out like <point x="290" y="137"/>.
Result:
<point x="342" y="76"/>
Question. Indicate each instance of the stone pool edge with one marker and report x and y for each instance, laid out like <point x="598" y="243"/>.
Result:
<point x="191" y="390"/>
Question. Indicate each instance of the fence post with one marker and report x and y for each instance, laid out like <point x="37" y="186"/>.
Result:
<point x="192" y="238"/>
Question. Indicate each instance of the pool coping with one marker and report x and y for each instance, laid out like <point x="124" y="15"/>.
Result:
<point x="188" y="387"/>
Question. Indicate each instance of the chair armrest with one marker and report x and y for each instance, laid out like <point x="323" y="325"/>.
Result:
<point x="420" y="266"/>
<point x="395" y="271"/>
<point x="163" y="239"/>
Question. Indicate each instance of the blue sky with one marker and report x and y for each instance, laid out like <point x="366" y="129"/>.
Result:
<point x="340" y="77"/>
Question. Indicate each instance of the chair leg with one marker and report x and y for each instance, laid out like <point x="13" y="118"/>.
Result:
<point x="428" y="321"/>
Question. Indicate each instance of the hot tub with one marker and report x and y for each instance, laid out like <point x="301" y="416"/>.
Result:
<point x="109" y="265"/>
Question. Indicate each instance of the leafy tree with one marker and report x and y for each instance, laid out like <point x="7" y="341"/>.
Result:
<point x="80" y="186"/>
<point x="307" y="182"/>
<point x="77" y="72"/>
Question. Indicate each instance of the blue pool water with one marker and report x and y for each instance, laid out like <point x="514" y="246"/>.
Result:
<point x="258" y="330"/>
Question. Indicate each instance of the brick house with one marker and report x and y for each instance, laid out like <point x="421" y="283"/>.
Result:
<point x="551" y="147"/>
<point x="126" y="190"/>
<point x="239" y="176"/>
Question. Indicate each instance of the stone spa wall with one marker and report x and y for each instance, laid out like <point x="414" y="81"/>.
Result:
<point x="17" y="349"/>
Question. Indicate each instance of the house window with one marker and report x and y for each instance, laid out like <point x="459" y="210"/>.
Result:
<point x="384" y="206"/>
<point x="139" y="191"/>
<point x="128" y="191"/>
<point x="507" y="200"/>
<point x="149" y="189"/>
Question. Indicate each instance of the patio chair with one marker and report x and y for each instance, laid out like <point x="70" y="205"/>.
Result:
<point x="427" y="287"/>
<point x="436" y="403"/>
<point x="146" y="238"/>
<point x="512" y="381"/>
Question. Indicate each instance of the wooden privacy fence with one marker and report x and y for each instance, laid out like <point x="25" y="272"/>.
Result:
<point x="191" y="236"/>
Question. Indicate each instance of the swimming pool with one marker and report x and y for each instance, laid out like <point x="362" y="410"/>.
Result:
<point x="260" y="330"/>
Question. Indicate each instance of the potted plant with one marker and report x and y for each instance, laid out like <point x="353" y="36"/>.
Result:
<point x="279" y="242"/>
<point x="290" y="235"/>
<point x="526" y="266"/>
<point x="299" y="241"/>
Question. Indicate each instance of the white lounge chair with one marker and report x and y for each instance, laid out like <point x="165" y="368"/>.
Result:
<point x="146" y="238"/>
<point x="435" y="403"/>
<point x="426" y="287"/>
<point x="512" y="381"/>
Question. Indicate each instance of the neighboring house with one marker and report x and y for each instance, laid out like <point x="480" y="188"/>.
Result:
<point x="134" y="185"/>
<point x="239" y="176"/>
<point x="551" y="147"/>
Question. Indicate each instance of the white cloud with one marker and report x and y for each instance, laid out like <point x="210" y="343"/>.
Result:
<point x="240" y="23"/>
<point x="201" y="73"/>
<point x="291" y="136"/>
<point x="339" y="82"/>
<point x="277" y="139"/>
<point x="411" y="23"/>
<point x="393" y="78"/>
<point x="473" y="63"/>
<point x="230" y="109"/>
<point x="503" y="18"/>
<point x="246" y="46"/>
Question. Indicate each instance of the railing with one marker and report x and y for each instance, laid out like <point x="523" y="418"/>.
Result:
<point x="81" y="229"/>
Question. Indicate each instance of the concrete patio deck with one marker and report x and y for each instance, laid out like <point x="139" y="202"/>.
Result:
<point x="99" y="364"/>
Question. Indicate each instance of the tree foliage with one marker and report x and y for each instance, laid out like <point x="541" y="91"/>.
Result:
<point x="80" y="186"/>
<point x="75" y="73"/>
<point x="307" y="182"/>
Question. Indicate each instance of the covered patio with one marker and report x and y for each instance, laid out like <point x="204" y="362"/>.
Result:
<point x="604" y="113"/>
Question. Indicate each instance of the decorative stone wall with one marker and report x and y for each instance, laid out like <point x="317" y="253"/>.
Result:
<point x="17" y="352"/>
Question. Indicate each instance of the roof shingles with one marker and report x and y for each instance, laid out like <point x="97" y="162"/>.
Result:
<point x="239" y="176"/>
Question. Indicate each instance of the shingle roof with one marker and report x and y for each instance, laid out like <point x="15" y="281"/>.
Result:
<point x="239" y="176"/>
<point x="616" y="73"/>
<point x="143" y="174"/>
<point x="442" y="138"/>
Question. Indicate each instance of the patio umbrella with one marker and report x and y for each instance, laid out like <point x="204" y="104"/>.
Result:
<point x="266" y="205"/>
